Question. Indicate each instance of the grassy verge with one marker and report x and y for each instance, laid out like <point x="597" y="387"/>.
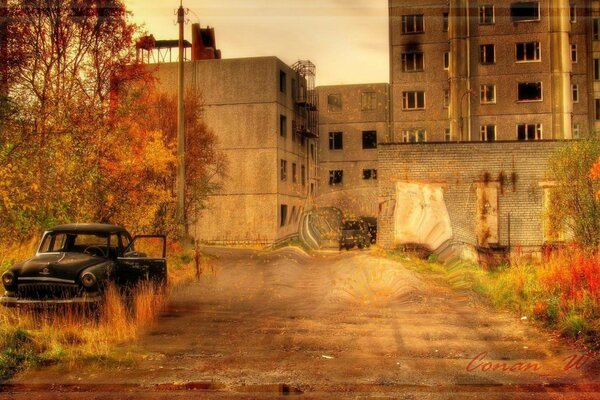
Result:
<point x="562" y="294"/>
<point x="71" y="336"/>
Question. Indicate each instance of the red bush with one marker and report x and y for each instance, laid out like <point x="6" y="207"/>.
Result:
<point x="573" y="275"/>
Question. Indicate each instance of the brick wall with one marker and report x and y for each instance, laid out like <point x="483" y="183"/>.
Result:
<point x="459" y="168"/>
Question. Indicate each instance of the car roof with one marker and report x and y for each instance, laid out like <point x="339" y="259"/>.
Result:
<point x="88" y="228"/>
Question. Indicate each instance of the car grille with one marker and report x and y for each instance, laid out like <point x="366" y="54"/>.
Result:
<point x="47" y="291"/>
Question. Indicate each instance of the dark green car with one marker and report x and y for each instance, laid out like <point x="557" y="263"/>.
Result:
<point x="353" y="233"/>
<point x="75" y="263"/>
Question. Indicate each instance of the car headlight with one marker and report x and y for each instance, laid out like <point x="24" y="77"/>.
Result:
<point x="88" y="280"/>
<point x="8" y="278"/>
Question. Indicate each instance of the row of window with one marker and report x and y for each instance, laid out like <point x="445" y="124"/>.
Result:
<point x="295" y="86"/>
<point x="526" y="91"/>
<point x="527" y="11"/>
<point x="414" y="61"/>
<point x="369" y="140"/>
<point x="368" y="101"/>
<point x="283" y="172"/>
<point x="487" y="133"/>
<point x="336" y="177"/>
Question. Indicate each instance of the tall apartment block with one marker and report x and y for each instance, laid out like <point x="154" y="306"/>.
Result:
<point x="264" y="114"/>
<point x="265" y="121"/>
<point x="352" y="122"/>
<point x="466" y="70"/>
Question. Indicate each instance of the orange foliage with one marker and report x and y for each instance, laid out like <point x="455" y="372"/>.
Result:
<point x="574" y="276"/>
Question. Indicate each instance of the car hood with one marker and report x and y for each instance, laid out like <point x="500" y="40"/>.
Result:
<point x="56" y="265"/>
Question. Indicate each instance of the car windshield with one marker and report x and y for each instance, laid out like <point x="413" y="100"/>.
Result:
<point x="73" y="242"/>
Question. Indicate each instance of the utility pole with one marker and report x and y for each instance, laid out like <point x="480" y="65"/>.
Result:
<point x="181" y="220"/>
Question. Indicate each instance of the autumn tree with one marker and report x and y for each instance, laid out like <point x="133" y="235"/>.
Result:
<point x="83" y="136"/>
<point x="148" y="121"/>
<point x="574" y="204"/>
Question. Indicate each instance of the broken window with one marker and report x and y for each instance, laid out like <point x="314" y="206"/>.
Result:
<point x="336" y="140"/>
<point x="488" y="133"/>
<point x="368" y="101"/>
<point x="530" y="91"/>
<point x="334" y="103"/>
<point x="282" y="214"/>
<point x="487" y="54"/>
<point x="282" y="82"/>
<point x="529" y="51"/>
<point x="369" y="139"/>
<point x="413" y="100"/>
<point x="486" y="14"/>
<point x="596" y="29"/>
<point x="369" y="174"/>
<point x="283" y="170"/>
<point x="412" y="24"/>
<point x="414" y="136"/>
<point x="529" y="131"/>
<point x="445" y="22"/>
<point x="447" y="60"/>
<point x="525" y="11"/>
<point x="412" y="62"/>
<point x="575" y="93"/>
<point x="487" y="94"/>
<point x="282" y="125"/>
<point x="294" y="174"/>
<point x="573" y="13"/>
<point x="573" y="53"/>
<point x="596" y="69"/>
<point x="336" y="177"/>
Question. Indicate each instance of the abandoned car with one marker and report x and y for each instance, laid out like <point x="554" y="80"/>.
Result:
<point x="354" y="232"/>
<point x="75" y="263"/>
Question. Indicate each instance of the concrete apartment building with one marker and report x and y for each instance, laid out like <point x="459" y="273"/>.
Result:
<point x="264" y="115"/>
<point x="490" y="70"/>
<point x="511" y="72"/>
<point x="352" y="122"/>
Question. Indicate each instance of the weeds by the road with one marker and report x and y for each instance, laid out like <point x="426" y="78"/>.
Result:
<point x="71" y="335"/>
<point x="563" y="293"/>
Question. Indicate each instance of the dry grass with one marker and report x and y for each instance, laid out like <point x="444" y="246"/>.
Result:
<point x="563" y="293"/>
<point x="75" y="335"/>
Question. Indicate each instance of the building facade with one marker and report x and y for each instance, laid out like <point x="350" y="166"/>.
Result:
<point x="353" y="120"/>
<point x="263" y="115"/>
<point x="469" y="70"/>
<point x="441" y="196"/>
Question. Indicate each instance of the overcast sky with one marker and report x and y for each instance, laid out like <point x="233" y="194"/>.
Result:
<point x="346" y="39"/>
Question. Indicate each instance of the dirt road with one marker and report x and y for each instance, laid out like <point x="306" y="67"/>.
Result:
<point x="339" y="325"/>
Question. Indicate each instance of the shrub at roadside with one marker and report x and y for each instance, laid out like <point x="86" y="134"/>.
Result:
<point x="563" y="293"/>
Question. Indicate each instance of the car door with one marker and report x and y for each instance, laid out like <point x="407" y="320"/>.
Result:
<point x="143" y="260"/>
